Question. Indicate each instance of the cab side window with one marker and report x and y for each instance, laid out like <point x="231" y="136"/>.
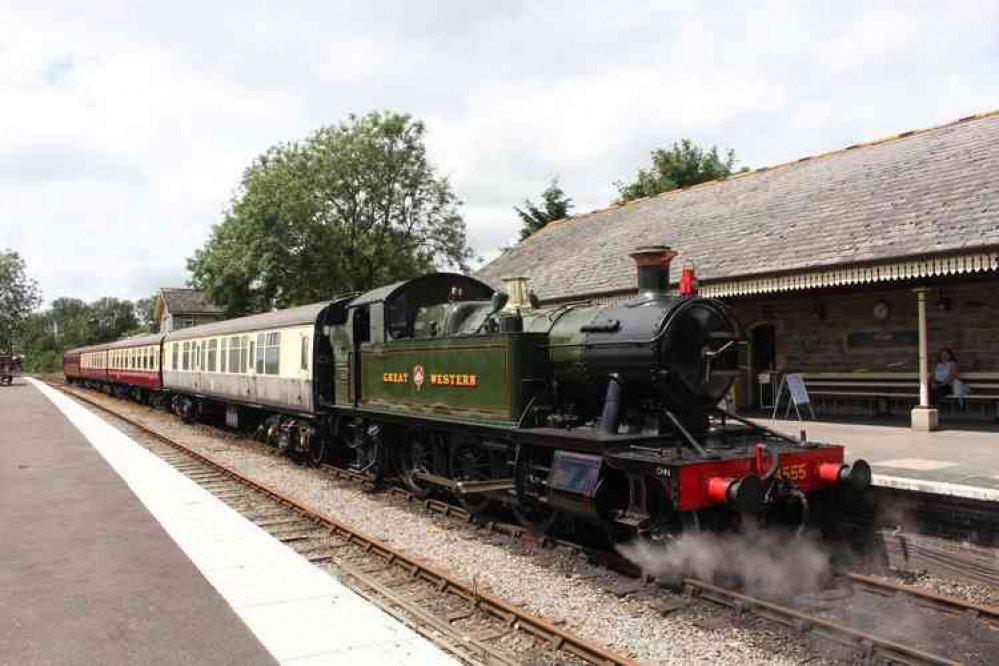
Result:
<point x="398" y="318"/>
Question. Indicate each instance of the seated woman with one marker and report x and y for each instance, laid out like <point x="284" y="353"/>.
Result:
<point x="946" y="377"/>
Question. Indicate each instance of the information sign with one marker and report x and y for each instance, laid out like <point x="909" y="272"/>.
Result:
<point x="796" y="385"/>
<point x="797" y="395"/>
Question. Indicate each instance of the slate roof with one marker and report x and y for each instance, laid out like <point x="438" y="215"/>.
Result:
<point x="188" y="301"/>
<point x="931" y="191"/>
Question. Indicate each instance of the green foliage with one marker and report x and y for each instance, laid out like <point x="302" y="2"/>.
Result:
<point x="351" y="207"/>
<point x="682" y="165"/>
<point x="19" y="295"/>
<point x="145" y="315"/>
<point x="555" y="205"/>
<point x="69" y="323"/>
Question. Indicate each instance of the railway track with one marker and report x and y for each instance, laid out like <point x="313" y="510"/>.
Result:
<point x="470" y="622"/>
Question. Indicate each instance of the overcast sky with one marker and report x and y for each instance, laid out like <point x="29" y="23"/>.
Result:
<point x="125" y="126"/>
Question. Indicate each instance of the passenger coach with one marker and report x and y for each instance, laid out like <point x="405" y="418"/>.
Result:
<point x="256" y="361"/>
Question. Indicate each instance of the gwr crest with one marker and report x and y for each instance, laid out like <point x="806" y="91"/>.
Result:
<point x="418" y="376"/>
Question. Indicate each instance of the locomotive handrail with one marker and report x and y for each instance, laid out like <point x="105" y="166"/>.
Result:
<point x="690" y="438"/>
<point x="753" y="424"/>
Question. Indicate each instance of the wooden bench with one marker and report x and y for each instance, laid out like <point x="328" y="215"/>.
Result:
<point x="881" y="392"/>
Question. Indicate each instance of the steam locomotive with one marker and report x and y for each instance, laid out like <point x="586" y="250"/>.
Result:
<point x="574" y="414"/>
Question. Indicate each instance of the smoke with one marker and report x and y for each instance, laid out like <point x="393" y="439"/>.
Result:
<point x="769" y="564"/>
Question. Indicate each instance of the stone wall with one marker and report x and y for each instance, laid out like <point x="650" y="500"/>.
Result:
<point x="837" y="331"/>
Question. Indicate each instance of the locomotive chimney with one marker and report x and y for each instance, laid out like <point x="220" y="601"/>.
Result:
<point x="652" y="262"/>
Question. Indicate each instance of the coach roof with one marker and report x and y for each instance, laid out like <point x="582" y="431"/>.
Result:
<point x="137" y="341"/>
<point x="303" y="314"/>
<point x="924" y="193"/>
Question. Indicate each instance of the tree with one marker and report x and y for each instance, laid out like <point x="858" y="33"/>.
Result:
<point x="350" y="207"/>
<point x="112" y="319"/>
<point x="682" y="165"/>
<point x="69" y="323"/>
<point x="145" y="314"/>
<point x="555" y="205"/>
<point x="19" y="295"/>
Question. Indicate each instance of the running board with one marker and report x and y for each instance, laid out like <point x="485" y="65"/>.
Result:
<point x="466" y="487"/>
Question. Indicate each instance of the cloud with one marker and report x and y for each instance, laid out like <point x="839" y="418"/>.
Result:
<point x="124" y="129"/>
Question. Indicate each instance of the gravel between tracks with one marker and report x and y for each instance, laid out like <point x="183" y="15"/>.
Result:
<point x="554" y="585"/>
<point x="985" y="595"/>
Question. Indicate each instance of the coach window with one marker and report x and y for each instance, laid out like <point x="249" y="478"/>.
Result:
<point x="305" y="353"/>
<point x="268" y="353"/>
<point x="234" y="354"/>
<point x="223" y="355"/>
<point x="243" y="360"/>
<point x="212" y="354"/>
<point x="174" y="365"/>
<point x="261" y="347"/>
<point x="186" y="357"/>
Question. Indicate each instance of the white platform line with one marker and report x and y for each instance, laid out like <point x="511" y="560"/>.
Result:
<point x="300" y="614"/>
<point x="936" y="487"/>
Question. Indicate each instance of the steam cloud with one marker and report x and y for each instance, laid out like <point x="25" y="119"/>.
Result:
<point x="773" y="565"/>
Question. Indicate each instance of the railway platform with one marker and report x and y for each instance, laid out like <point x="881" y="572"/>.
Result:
<point x="110" y="556"/>
<point x="958" y="462"/>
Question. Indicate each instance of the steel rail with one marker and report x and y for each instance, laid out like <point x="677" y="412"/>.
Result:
<point x="558" y="638"/>
<point x="869" y="644"/>
<point x="949" y="605"/>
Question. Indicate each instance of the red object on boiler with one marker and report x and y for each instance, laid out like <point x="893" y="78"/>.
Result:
<point x="688" y="282"/>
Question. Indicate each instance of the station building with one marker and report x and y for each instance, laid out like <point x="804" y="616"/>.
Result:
<point x="853" y="268"/>
<point x="178" y="308"/>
